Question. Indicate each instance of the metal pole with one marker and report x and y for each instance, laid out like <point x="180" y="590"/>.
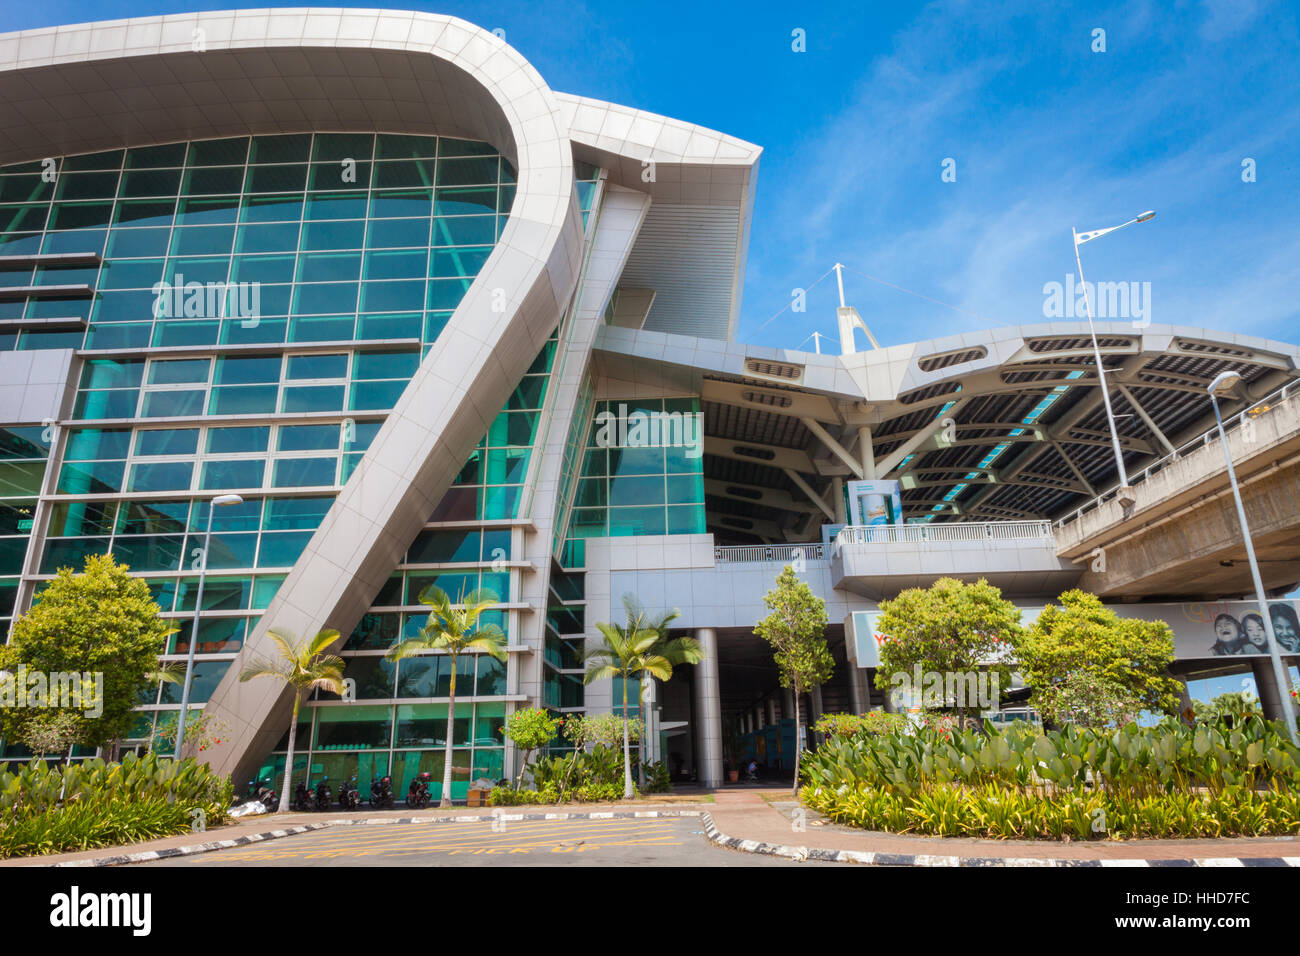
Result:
<point x="194" y="634"/>
<point x="839" y="280"/>
<point x="1279" y="672"/>
<point x="1101" y="379"/>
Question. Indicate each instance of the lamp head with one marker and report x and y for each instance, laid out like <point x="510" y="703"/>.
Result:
<point x="1224" y="383"/>
<point x="227" y="500"/>
<point x="1149" y="214"/>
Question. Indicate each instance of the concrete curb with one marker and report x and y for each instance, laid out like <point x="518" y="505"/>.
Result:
<point x="146" y="856"/>
<point x="801" y="853"/>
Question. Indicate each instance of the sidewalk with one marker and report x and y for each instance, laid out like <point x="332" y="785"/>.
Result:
<point x="742" y="819"/>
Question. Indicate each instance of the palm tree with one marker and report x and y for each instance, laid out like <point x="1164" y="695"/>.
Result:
<point x="304" y="667"/>
<point x="454" y="630"/>
<point x="680" y="650"/>
<point x="630" y="651"/>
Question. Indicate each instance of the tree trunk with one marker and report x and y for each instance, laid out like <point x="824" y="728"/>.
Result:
<point x="797" y="749"/>
<point x="627" y="749"/>
<point x="288" y="757"/>
<point x="519" y="781"/>
<point x="640" y="712"/>
<point x="451" y="726"/>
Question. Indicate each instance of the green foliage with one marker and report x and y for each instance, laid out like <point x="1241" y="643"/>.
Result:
<point x="873" y="722"/>
<point x="102" y="621"/>
<point x="658" y="778"/>
<point x="530" y="729"/>
<point x="1083" y="635"/>
<point x="1085" y="698"/>
<point x="51" y="809"/>
<point x="1228" y="708"/>
<point x="1004" y="813"/>
<point x="604" y="729"/>
<point x="303" y="667"/>
<point x="587" y="793"/>
<point x="1168" y="758"/>
<point x="796" y="630"/>
<point x="581" y="776"/>
<point x="52" y="731"/>
<point x="948" y="628"/>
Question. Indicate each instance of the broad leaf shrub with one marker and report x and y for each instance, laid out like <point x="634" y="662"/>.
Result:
<point x="581" y="776"/>
<point x="1020" y="783"/>
<point x="105" y="804"/>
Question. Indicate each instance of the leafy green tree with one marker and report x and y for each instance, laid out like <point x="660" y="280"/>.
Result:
<point x="52" y="731"/>
<point x="1087" y="699"/>
<point x="1085" y="635"/>
<point x="454" y="630"/>
<point x="303" y="667"/>
<point x="628" y="652"/>
<point x="796" y="630"/>
<point x="949" y="628"/>
<point x="529" y="729"/>
<point x="101" y="622"/>
<point x="677" y="651"/>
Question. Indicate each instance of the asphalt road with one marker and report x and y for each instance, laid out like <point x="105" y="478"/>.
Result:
<point x="646" y="842"/>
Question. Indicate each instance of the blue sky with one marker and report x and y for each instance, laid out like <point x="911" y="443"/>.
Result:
<point x="1046" y="135"/>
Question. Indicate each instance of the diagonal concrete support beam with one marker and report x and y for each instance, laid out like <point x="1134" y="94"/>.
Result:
<point x="835" y="447"/>
<point x="807" y="490"/>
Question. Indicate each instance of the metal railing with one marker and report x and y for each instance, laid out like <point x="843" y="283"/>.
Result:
<point x="946" y="532"/>
<point x="1265" y="405"/>
<point x="767" y="553"/>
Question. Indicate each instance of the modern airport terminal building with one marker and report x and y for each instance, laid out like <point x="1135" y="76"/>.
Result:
<point x="434" y="322"/>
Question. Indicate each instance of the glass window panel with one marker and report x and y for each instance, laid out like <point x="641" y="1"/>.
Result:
<point x="70" y="553"/>
<point x="185" y="332"/>
<point x="392" y="296"/>
<point x="25" y="189"/>
<point x="202" y="240"/>
<point x="313" y="398"/>
<point x="325" y="298"/>
<point x="172" y="403"/>
<point x="395" y="174"/>
<point x="401" y="204"/>
<point x="304" y="472"/>
<point x="276" y="179"/>
<point x="121" y="335"/>
<point x="271" y="209"/>
<point x="29" y="218"/>
<point x="229" y="550"/>
<point x="248" y="371"/>
<point x="264" y="590"/>
<point x="227" y="180"/>
<point x="218" y="152"/>
<point x="461" y="261"/>
<point x="275" y="269"/>
<point x="150" y="182"/>
<point x="152" y="157"/>
<point x="196" y="212"/>
<point x="501" y="501"/>
<point x="636" y="521"/>
<point x="76" y="518"/>
<point x="464" y="230"/>
<point x="219" y="594"/>
<point x="101" y="185"/>
<point x="236" y="440"/>
<point x="284" y="514"/>
<point x="333" y="234"/>
<point x="391" y="233"/>
<point x="458" y="504"/>
<point x="418" y="677"/>
<point x="321" y="328"/>
<point x="441" y="547"/>
<point x="357" y="726"/>
<point x="685" y="519"/>
<point x="243" y="400"/>
<point x="86" y="444"/>
<point x="375" y="395"/>
<point x="79" y="240"/>
<point x="467" y="172"/>
<point x="308" y="437"/>
<point x="326" y="206"/>
<point x="269" y="237"/>
<point x="405" y="264"/>
<point x="179" y="371"/>
<point x="376" y="365"/>
<point x="157" y="552"/>
<point x="153" y="517"/>
<point x="686" y="489"/>
<point x="161" y="476"/>
<point x="446" y="293"/>
<point x="400" y="146"/>
<point x="118" y="403"/>
<point x="397" y="325"/>
<point x="330" y="365"/>
<point x="340" y="146"/>
<point x="329" y="267"/>
<point x="465" y="202"/>
<point x="137" y="243"/>
<point x="167" y="441"/>
<point x="280" y="148"/>
<point x="232" y="473"/>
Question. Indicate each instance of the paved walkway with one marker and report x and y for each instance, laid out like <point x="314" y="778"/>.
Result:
<point x="757" y="817"/>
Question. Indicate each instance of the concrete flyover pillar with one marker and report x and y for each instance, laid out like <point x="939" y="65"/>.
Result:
<point x="771" y="711"/>
<point x="855" y="689"/>
<point x="1270" y="700"/>
<point x="708" y="709"/>
<point x="787" y="704"/>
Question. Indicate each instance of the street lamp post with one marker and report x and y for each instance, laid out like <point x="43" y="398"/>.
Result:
<point x="216" y="502"/>
<point x="1222" y="384"/>
<point x="1126" y="496"/>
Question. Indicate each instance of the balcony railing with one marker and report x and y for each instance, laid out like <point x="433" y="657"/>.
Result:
<point x="767" y="554"/>
<point x="1274" y="401"/>
<point x="945" y="533"/>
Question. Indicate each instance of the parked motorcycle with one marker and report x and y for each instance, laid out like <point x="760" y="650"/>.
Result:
<point x="349" y="798"/>
<point x="417" y="794"/>
<point x="381" y="793"/>
<point x="324" y="795"/>
<point x="304" y="800"/>
<point x="260" y="790"/>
